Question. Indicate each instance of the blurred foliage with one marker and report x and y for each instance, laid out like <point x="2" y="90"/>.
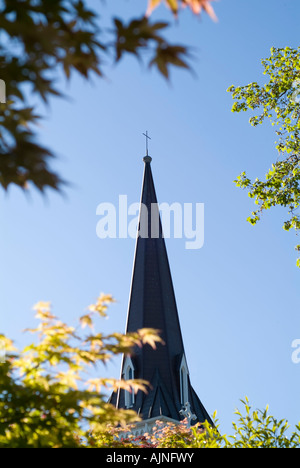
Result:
<point x="253" y="429"/>
<point x="277" y="101"/>
<point x="40" y="39"/>
<point x="195" y="5"/>
<point x="49" y="395"/>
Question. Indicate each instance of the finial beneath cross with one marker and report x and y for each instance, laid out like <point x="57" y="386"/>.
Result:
<point x="147" y="138"/>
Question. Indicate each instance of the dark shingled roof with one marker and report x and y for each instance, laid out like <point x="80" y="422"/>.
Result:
<point x="152" y="304"/>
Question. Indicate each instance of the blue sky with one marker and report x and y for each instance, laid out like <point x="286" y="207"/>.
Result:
<point x="238" y="296"/>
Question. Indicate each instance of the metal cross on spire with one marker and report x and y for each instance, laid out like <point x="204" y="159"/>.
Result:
<point x="147" y="138"/>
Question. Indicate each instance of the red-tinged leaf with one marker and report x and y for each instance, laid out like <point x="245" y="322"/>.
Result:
<point x="197" y="6"/>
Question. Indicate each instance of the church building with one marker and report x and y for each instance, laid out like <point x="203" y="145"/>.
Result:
<point x="152" y="304"/>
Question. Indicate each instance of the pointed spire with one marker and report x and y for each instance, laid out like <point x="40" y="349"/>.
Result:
<point x="152" y="304"/>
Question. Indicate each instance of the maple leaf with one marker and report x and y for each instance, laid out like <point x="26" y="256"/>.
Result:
<point x="86" y="320"/>
<point x="150" y="336"/>
<point x="196" y="6"/>
<point x="43" y="311"/>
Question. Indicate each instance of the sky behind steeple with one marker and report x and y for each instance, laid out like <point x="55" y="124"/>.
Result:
<point x="234" y="285"/>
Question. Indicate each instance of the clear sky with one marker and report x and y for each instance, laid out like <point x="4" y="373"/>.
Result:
<point x="237" y="296"/>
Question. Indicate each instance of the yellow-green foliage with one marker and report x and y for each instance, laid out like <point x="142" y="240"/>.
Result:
<point x="47" y="395"/>
<point x="49" y="399"/>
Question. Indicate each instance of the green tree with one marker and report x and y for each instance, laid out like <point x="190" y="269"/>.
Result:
<point x="253" y="429"/>
<point x="51" y="395"/>
<point x="40" y="39"/>
<point x="277" y="101"/>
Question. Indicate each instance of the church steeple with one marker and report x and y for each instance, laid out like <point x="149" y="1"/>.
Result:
<point x="152" y="304"/>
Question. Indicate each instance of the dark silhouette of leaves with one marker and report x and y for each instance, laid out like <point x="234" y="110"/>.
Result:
<point x="41" y="39"/>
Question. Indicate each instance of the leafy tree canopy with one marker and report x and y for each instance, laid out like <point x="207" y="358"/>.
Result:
<point x="277" y="101"/>
<point x="51" y="395"/>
